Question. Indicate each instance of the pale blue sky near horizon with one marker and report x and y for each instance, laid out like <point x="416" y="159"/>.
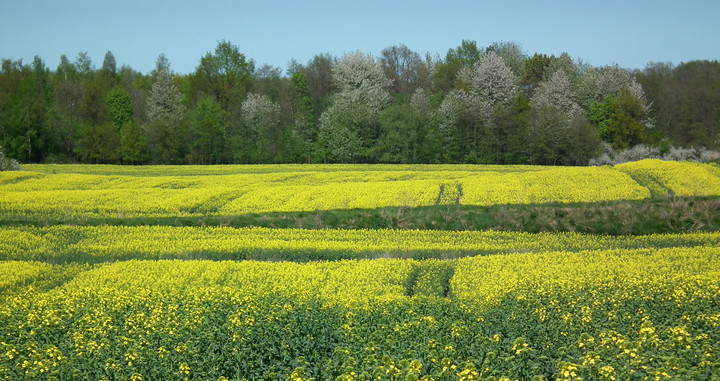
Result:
<point x="628" y="33"/>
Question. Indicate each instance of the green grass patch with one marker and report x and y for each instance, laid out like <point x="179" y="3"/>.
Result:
<point x="637" y="217"/>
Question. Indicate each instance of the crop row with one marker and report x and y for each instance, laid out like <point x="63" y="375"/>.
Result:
<point x="674" y="178"/>
<point x="233" y="190"/>
<point x="69" y="196"/>
<point x="91" y="244"/>
<point x="593" y="315"/>
<point x="211" y="170"/>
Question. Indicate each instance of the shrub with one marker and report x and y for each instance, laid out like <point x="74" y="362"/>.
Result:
<point x="8" y="164"/>
<point x="641" y="151"/>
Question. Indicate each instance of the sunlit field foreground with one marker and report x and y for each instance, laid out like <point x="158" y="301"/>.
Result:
<point x="83" y="297"/>
<point x="596" y="315"/>
<point x="77" y="192"/>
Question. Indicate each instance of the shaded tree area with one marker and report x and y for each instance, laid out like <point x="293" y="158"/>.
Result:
<point x="685" y="101"/>
<point x="494" y="104"/>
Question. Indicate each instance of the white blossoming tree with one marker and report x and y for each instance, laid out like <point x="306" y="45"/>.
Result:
<point x="492" y="80"/>
<point x="261" y="120"/>
<point x="165" y="111"/>
<point x="617" y="105"/>
<point x="465" y="119"/>
<point x="350" y="125"/>
<point x="512" y="54"/>
<point x="596" y="84"/>
<point x="557" y="92"/>
<point x="559" y="131"/>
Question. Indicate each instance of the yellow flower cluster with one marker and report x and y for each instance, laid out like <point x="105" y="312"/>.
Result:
<point x="106" y="302"/>
<point x="84" y="191"/>
<point x="613" y="311"/>
<point x="585" y="299"/>
<point x="675" y="178"/>
<point x="15" y="273"/>
<point x="636" y="273"/>
<point x="110" y="243"/>
<point x="338" y="282"/>
<point x="552" y="184"/>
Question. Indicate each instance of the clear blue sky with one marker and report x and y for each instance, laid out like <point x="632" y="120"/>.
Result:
<point x="629" y="33"/>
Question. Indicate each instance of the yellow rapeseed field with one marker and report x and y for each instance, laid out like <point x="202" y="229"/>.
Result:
<point x="85" y="191"/>
<point x="59" y="244"/>
<point x="599" y="315"/>
<point x="154" y="302"/>
<point x="675" y="178"/>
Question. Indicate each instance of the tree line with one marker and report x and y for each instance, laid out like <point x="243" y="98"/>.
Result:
<point x="495" y="104"/>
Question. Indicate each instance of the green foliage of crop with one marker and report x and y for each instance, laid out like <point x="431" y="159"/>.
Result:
<point x="383" y="295"/>
<point x="599" y="315"/>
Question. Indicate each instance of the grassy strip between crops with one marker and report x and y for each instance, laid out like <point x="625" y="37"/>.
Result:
<point x="641" y="217"/>
<point x="593" y="315"/>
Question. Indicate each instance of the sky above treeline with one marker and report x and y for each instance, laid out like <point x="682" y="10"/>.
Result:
<point x="628" y="33"/>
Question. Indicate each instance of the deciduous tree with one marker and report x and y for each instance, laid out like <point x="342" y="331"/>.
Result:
<point x="536" y="68"/>
<point x="98" y="143"/>
<point x="619" y="119"/>
<point x="207" y="127"/>
<point x="557" y="92"/>
<point x="109" y="69"/>
<point x="492" y="80"/>
<point x="225" y="74"/>
<point x="165" y="112"/>
<point x="264" y="138"/>
<point x="68" y="93"/>
<point x="686" y="101"/>
<point x="512" y="55"/>
<point x="405" y="68"/>
<point x="349" y="127"/>
<point x="460" y="128"/>
<point x="119" y="106"/>
<point x="133" y="144"/>
<point x="559" y="131"/>
<point x="464" y="56"/>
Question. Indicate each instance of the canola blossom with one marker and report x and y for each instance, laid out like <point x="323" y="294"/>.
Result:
<point x="19" y="272"/>
<point x="675" y="178"/>
<point x="597" y="315"/>
<point x="91" y="244"/>
<point x="77" y="192"/>
<point x="221" y="303"/>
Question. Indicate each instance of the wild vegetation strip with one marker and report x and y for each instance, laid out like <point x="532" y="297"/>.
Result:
<point x="635" y="217"/>
<point x="596" y="315"/>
